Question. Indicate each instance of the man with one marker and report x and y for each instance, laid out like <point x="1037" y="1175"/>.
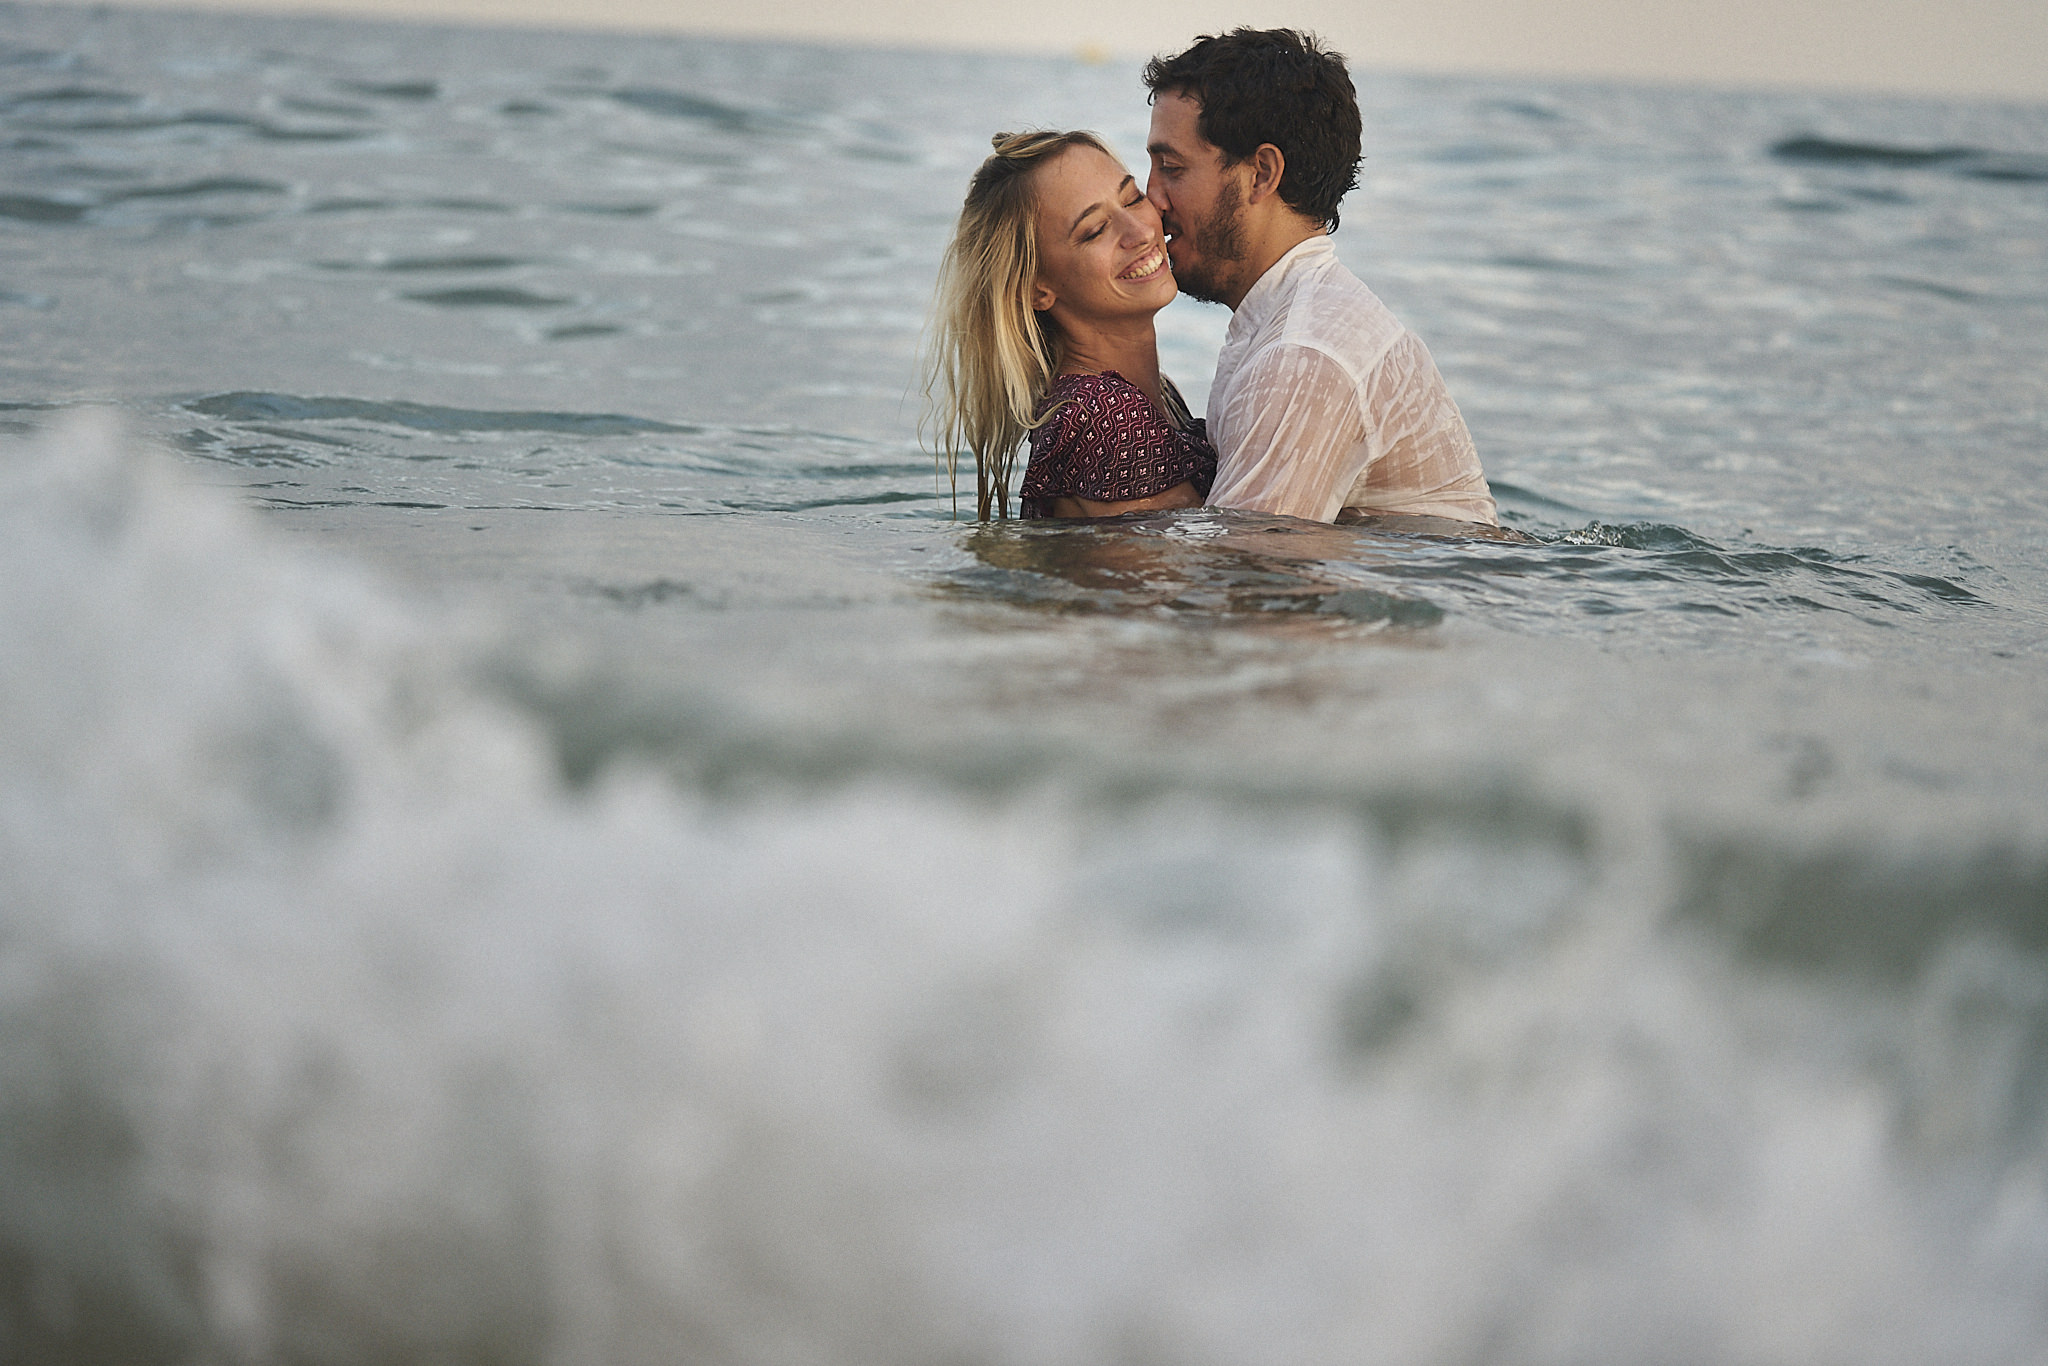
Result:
<point x="1323" y="401"/>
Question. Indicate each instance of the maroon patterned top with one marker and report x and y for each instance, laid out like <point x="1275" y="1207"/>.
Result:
<point x="1109" y="444"/>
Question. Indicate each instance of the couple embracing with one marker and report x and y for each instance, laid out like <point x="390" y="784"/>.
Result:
<point x="1324" y="406"/>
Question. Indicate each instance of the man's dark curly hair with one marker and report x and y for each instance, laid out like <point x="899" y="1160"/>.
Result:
<point x="1277" y="86"/>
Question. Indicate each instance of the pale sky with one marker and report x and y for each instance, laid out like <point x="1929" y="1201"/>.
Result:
<point x="1986" y="48"/>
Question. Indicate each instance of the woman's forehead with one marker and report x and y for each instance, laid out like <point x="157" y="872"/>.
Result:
<point x="1080" y="175"/>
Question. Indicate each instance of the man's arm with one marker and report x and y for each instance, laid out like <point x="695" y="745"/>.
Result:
<point x="1298" y="438"/>
<point x="1423" y="456"/>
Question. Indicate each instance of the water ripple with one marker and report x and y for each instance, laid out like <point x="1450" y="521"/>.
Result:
<point x="677" y="104"/>
<point x="1411" y="571"/>
<point x="489" y="298"/>
<point x="269" y="407"/>
<point x="1974" y="162"/>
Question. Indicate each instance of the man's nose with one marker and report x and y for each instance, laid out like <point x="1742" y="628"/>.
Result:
<point x="1156" y="192"/>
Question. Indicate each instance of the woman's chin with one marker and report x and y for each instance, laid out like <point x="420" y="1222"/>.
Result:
<point x="1141" y="301"/>
<point x="1157" y="291"/>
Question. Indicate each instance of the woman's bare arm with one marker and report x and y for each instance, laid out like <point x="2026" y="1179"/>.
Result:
<point x="1181" y="495"/>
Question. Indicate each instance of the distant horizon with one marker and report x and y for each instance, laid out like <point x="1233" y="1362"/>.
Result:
<point x="1974" y="49"/>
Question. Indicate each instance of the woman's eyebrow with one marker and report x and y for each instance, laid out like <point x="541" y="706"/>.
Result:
<point x="1127" y="180"/>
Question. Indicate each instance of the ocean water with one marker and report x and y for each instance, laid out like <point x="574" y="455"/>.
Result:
<point x="529" y="833"/>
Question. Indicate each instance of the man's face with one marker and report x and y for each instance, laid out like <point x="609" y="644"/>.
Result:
<point x="1200" y="201"/>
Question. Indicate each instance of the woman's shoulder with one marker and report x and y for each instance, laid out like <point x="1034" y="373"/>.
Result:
<point x="1106" y="402"/>
<point x="1103" y="407"/>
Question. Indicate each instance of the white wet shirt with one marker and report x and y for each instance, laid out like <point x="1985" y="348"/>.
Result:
<point x="1324" y="401"/>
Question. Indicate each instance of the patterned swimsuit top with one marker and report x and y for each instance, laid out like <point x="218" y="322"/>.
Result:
<point x="1107" y="443"/>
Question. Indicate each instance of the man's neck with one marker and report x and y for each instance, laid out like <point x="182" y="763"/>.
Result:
<point x="1270" y="241"/>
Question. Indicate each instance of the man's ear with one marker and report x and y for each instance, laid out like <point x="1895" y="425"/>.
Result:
<point x="1269" y="164"/>
<point x="1042" y="296"/>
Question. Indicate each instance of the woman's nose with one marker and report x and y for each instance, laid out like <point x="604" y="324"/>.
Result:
<point x="1140" y="223"/>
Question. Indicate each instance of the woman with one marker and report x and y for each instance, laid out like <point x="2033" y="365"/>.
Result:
<point x="1044" y="327"/>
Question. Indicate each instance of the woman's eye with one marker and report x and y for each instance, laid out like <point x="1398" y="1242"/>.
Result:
<point x="1093" y="233"/>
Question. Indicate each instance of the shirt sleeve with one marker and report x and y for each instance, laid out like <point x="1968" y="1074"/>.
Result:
<point x="1298" y="436"/>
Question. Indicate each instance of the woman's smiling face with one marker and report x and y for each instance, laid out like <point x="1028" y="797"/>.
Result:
<point x="1101" y="250"/>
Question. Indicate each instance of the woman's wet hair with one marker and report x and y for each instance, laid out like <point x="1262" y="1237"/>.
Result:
<point x="989" y="357"/>
<point x="1273" y="85"/>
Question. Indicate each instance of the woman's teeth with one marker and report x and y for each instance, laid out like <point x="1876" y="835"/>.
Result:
<point x="1152" y="261"/>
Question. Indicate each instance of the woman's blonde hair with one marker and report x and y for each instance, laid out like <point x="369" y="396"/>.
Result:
<point x="989" y="358"/>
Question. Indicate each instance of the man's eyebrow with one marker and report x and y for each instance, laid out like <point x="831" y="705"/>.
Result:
<point x="1127" y="180"/>
<point x="1159" y="149"/>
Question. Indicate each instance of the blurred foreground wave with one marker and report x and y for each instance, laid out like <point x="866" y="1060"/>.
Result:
<point x="344" y="1017"/>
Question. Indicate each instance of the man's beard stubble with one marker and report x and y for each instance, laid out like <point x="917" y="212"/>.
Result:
<point x="1219" y="245"/>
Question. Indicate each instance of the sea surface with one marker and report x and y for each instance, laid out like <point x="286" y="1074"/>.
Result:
<point x="531" y="833"/>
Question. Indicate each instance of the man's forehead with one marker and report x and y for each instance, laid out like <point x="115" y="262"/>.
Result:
<point x="1174" y="124"/>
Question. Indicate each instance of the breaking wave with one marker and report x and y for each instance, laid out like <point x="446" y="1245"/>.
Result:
<point x="342" y="1017"/>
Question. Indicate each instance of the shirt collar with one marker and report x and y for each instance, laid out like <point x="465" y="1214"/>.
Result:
<point x="1269" y="289"/>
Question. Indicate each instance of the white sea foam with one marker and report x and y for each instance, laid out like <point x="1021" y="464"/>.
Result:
<point x="335" y="1025"/>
